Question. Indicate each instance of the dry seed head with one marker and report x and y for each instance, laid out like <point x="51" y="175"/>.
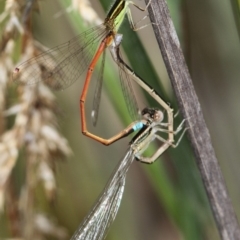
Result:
<point x="43" y="224"/>
<point x="34" y="129"/>
<point x="8" y="156"/>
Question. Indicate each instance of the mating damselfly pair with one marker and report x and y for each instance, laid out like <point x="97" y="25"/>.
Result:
<point x="99" y="219"/>
<point x="62" y="65"/>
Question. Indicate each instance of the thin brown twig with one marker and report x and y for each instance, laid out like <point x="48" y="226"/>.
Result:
<point x="189" y="105"/>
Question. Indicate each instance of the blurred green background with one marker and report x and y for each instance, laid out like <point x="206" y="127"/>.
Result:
<point x="165" y="200"/>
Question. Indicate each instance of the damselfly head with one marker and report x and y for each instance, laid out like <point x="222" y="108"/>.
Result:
<point x="158" y="116"/>
<point x="152" y="114"/>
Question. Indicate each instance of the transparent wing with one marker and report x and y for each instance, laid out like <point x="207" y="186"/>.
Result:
<point x="98" y="91"/>
<point x="97" y="223"/>
<point x="127" y="89"/>
<point x="60" y="66"/>
<point x="128" y="92"/>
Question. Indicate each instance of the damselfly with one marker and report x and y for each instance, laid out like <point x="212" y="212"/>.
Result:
<point x="98" y="221"/>
<point x="59" y="67"/>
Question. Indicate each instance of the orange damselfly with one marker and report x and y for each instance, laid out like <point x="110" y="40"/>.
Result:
<point x="60" y="66"/>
